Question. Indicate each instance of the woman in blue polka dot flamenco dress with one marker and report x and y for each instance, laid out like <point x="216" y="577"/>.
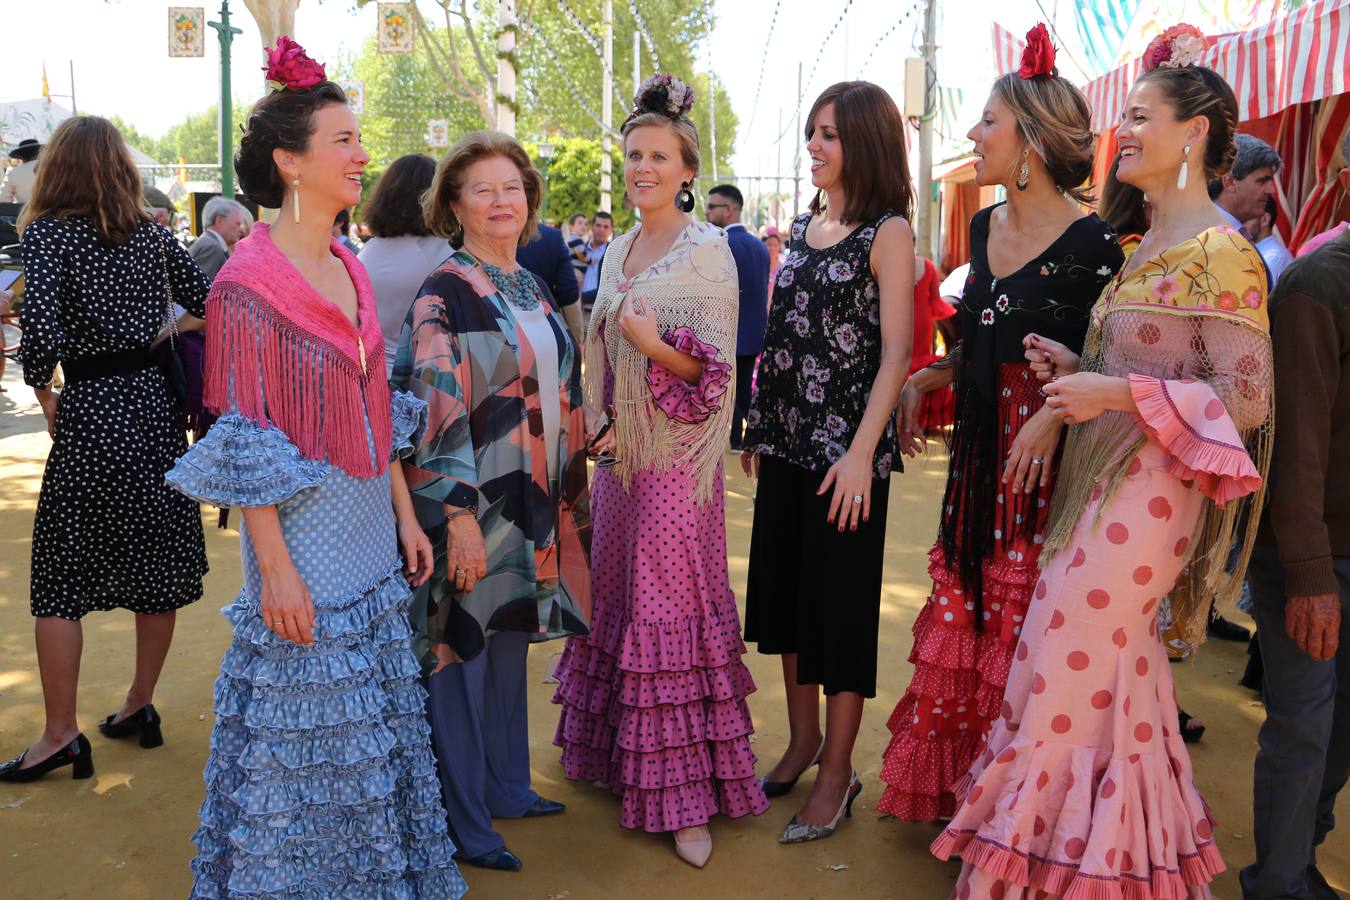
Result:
<point x="320" y="780"/>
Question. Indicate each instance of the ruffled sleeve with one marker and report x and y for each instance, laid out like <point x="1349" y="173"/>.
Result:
<point x="679" y="400"/>
<point x="240" y="463"/>
<point x="410" y="423"/>
<point x="1190" y="422"/>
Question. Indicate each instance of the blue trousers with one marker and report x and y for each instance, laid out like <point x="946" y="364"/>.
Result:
<point x="1304" y="745"/>
<point x="480" y="732"/>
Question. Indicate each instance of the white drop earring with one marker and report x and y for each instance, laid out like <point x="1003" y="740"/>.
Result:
<point x="1185" y="165"/>
<point x="295" y="196"/>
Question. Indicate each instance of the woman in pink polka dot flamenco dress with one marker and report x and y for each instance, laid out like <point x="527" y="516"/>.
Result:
<point x="1037" y="266"/>
<point x="653" y="700"/>
<point x="1085" y="790"/>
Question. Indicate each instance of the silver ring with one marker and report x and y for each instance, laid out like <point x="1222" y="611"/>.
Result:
<point x="1037" y="462"/>
<point x="857" y="498"/>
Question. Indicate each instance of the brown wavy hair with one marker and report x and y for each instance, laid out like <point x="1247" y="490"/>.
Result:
<point x="395" y="206"/>
<point x="1056" y="121"/>
<point x="449" y="181"/>
<point x="876" y="167"/>
<point x="87" y="170"/>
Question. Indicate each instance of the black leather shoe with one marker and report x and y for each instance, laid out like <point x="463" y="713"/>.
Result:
<point x="77" y="753"/>
<point x="542" y="807"/>
<point x="144" y="722"/>
<point x="501" y="859"/>
<point x="1318" y="883"/>
<point x="1224" y="630"/>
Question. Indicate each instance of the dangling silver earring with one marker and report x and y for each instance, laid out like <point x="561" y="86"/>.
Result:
<point x="295" y="196"/>
<point x="1185" y="164"/>
<point x="1024" y="171"/>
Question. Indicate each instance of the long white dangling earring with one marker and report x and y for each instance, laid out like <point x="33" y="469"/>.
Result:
<point x="295" y="196"/>
<point x="1185" y="165"/>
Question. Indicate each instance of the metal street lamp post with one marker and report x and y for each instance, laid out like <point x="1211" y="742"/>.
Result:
<point x="227" y="33"/>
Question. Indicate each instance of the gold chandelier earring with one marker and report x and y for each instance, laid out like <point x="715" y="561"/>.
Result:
<point x="1024" y="171"/>
<point x="1185" y="165"/>
<point x="295" y="197"/>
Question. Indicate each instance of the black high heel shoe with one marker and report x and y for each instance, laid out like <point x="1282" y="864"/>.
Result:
<point x="77" y="753"/>
<point x="779" y="788"/>
<point x="144" y="721"/>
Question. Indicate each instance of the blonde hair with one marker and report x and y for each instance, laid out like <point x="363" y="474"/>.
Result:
<point x="1056" y="121"/>
<point x="449" y="181"/>
<point x="685" y="131"/>
<point x="87" y="170"/>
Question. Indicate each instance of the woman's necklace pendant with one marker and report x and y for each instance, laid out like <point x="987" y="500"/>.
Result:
<point x="361" y="353"/>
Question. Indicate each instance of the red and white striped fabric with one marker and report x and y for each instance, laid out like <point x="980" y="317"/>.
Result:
<point x="1008" y="49"/>
<point x="1296" y="58"/>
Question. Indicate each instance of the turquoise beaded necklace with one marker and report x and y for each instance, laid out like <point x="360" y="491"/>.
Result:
<point x="517" y="287"/>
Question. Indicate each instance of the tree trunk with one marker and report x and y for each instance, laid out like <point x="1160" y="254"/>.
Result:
<point x="274" y="18"/>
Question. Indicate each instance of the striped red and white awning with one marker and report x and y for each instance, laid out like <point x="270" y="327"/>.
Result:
<point x="1008" y="49"/>
<point x="1296" y="58"/>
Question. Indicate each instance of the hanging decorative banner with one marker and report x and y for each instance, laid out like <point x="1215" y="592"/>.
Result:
<point x="356" y="96"/>
<point x="438" y="133"/>
<point x="395" y="27"/>
<point x="186" y="26"/>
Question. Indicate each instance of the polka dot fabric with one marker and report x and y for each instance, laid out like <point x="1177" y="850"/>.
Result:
<point x="960" y="673"/>
<point x="109" y="533"/>
<point x="653" y="700"/>
<point x="1085" y="789"/>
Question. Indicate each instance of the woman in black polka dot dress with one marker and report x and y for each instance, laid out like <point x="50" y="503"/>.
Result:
<point x="109" y="532"/>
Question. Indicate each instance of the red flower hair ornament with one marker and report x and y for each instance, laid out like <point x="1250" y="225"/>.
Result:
<point x="1180" y="45"/>
<point x="1039" y="56"/>
<point x="289" y="67"/>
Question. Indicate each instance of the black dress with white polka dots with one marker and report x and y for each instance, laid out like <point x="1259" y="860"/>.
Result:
<point x="109" y="532"/>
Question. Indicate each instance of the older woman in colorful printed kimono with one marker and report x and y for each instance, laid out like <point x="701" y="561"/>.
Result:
<point x="500" y="481"/>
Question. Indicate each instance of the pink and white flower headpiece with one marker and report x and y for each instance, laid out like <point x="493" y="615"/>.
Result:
<point x="1180" y="45"/>
<point x="663" y="93"/>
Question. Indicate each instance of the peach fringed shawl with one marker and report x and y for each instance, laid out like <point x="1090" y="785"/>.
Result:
<point x="1190" y="330"/>
<point x="282" y="355"/>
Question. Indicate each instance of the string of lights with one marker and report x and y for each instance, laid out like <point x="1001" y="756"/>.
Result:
<point x="820" y="51"/>
<point x="567" y="82"/>
<point x="646" y="35"/>
<point x="591" y="39"/>
<point x="887" y="33"/>
<point x="763" y="66"/>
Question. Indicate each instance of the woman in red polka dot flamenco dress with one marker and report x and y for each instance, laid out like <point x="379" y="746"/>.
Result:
<point x="1085" y="790"/>
<point x="1038" y="264"/>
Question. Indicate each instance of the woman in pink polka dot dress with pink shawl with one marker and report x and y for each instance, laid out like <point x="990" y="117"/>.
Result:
<point x="1084" y="789"/>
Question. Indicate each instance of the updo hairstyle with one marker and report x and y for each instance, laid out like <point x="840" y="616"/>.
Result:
<point x="281" y="120"/>
<point x="1200" y="91"/>
<point x="1056" y="121"/>
<point x="685" y="131"/>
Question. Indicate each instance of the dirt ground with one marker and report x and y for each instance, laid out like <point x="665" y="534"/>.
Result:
<point x="125" y="832"/>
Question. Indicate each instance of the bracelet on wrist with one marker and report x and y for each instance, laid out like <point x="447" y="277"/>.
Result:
<point x="465" y="511"/>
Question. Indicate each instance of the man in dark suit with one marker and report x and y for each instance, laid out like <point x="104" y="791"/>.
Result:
<point x="222" y="226"/>
<point x="752" y="271"/>
<point x="546" y="255"/>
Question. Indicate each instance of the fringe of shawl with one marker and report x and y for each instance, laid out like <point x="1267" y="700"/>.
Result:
<point x="1097" y="455"/>
<point x="646" y="438"/>
<point x="275" y="373"/>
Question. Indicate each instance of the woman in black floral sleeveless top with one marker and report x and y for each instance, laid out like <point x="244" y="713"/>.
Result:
<point x="821" y="437"/>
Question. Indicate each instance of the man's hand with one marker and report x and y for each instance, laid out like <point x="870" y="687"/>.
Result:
<point x="1314" y="623"/>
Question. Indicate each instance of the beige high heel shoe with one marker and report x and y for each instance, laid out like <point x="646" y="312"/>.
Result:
<point x="695" y="852"/>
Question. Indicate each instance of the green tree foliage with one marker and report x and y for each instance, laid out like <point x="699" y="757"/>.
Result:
<point x="195" y="139"/>
<point x="573" y="178"/>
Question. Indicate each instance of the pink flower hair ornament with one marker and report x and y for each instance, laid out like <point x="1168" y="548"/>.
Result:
<point x="1180" y="45"/>
<point x="665" y="94"/>
<point x="290" y="68"/>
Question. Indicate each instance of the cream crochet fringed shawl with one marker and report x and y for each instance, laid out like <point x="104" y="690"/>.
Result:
<point x="693" y="286"/>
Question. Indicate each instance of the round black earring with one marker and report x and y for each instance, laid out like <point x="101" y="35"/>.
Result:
<point x="684" y="200"/>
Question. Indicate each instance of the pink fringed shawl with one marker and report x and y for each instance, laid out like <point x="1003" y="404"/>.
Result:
<point x="280" y="354"/>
